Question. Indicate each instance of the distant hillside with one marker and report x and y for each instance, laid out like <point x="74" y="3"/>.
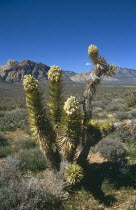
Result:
<point x="122" y="75"/>
<point x="14" y="71"/>
<point x="125" y="74"/>
<point x="70" y="73"/>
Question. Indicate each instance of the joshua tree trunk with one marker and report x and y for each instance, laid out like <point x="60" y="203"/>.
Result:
<point x="90" y="90"/>
<point x="101" y="68"/>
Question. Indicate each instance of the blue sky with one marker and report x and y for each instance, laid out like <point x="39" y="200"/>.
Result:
<point x="58" y="32"/>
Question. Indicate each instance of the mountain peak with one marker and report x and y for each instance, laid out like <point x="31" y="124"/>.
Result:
<point x="11" y="62"/>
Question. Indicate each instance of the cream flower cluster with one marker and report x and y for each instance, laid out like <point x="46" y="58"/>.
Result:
<point x="92" y="50"/>
<point x="30" y="83"/>
<point x="71" y="106"/>
<point x="55" y="73"/>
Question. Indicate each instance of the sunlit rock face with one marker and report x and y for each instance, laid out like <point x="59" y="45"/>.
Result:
<point x="15" y="71"/>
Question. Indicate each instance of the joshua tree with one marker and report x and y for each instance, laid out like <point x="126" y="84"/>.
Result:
<point x="60" y="132"/>
<point x="101" y="68"/>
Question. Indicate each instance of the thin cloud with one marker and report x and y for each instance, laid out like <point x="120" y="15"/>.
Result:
<point x="88" y="64"/>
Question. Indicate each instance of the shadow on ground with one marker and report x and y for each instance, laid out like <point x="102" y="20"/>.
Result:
<point x="96" y="173"/>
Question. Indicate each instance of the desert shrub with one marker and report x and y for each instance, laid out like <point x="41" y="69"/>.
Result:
<point x="132" y="153"/>
<point x="133" y="113"/>
<point x="5" y="151"/>
<point x="116" y="106"/>
<point x="55" y="185"/>
<point x="23" y="191"/>
<point x="113" y="150"/>
<point x="79" y="200"/>
<point x="5" y="147"/>
<point x="107" y="187"/>
<point x="99" y="104"/>
<point x="10" y="107"/>
<point x="127" y="137"/>
<point x="97" y="109"/>
<point x="18" y="192"/>
<point x="31" y="160"/>
<point x="127" y="131"/>
<point x="11" y="120"/>
<point x="4" y="141"/>
<point x="22" y="144"/>
<point x="8" y="170"/>
<point x="122" y="115"/>
<point x="26" y="194"/>
<point x="130" y="98"/>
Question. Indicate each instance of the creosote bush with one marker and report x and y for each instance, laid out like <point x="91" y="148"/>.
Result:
<point x="31" y="160"/>
<point x="18" y="192"/>
<point x="61" y="131"/>
<point x="111" y="149"/>
<point x="5" y="147"/>
<point x="22" y="144"/>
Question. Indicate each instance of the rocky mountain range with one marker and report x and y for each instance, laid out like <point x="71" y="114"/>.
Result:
<point x="14" y="71"/>
<point x="123" y="75"/>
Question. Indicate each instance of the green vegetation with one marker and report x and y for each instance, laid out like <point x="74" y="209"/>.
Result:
<point x="59" y="166"/>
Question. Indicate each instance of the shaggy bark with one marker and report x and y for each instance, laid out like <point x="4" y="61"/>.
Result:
<point x="101" y="68"/>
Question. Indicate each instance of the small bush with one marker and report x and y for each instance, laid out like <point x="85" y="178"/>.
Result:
<point x="31" y="160"/>
<point x="113" y="150"/>
<point x="5" y="151"/>
<point x="127" y="131"/>
<point x="22" y="144"/>
<point x="133" y="113"/>
<point x="107" y="187"/>
<point x="116" y="106"/>
<point x="18" y="192"/>
<point x="13" y="119"/>
<point x="3" y="141"/>
<point x="5" y="147"/>
<point x="127" y="137"/>
<point x="122" y="115"/>
<point x="130" y="98"/>
<point x="55" y="185"/>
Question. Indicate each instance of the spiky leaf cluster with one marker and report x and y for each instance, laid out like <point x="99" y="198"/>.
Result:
<point x="73" y="173"/>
